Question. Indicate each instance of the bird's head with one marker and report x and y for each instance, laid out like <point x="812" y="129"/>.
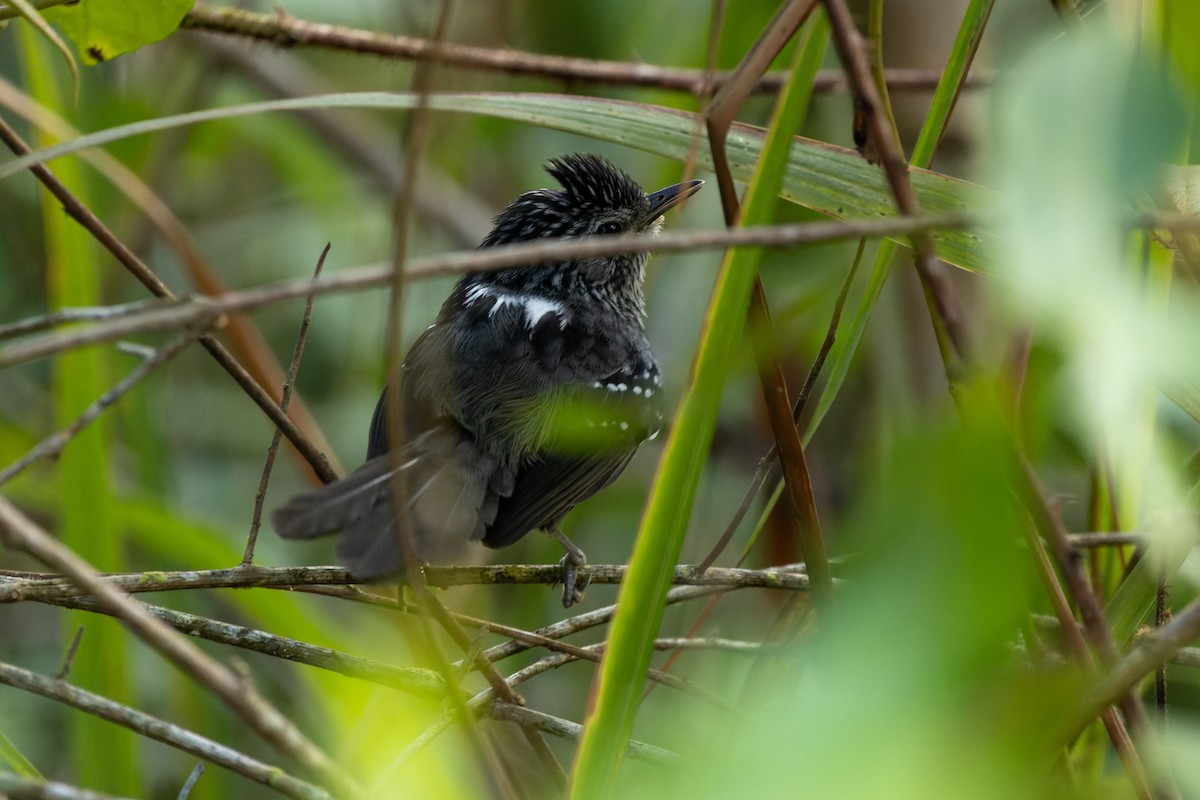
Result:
<point x="596" y="199"/>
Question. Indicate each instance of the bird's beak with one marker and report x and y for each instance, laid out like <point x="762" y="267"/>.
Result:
<point x="665" y="199"/>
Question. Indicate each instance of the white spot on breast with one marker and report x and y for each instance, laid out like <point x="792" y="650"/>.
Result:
<point x="624" y="426"/>
<point x="637" y="389"/>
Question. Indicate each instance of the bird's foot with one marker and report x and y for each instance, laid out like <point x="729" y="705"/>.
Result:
<point x="573" y="586"/>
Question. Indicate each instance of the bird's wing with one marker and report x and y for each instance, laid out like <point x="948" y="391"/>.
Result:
<point x="547" y="489"/>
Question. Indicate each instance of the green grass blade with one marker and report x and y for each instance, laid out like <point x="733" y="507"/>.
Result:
<point x="641" y="601"/>
<point x="832" y="180"/>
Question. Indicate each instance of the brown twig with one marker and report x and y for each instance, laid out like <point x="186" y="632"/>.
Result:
<point x="52" y="445"/>
<point x="493" y="258"/>
<point x="160" y="730"/>
<point x="25" y="586"/>
<point x="101" y="232"/>
<point x="288" y="31"/>
<point x="285" y="400"/>
<point x="239" y="694"/>
<point x="849" y="44"/>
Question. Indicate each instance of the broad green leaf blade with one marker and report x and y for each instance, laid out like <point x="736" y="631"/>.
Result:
<point x="825" y="178"/>
<point x="105" y="29"/>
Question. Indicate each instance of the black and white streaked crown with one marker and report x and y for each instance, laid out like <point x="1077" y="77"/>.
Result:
<point x="594" y="192"/>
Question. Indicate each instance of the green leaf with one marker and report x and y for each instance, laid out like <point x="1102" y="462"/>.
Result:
<point x="832" y="180"/>
<point x="105" y="29"/>
<point x="16" y="760"/>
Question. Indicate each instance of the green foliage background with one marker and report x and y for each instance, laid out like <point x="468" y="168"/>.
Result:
<point x="927" y="676"/>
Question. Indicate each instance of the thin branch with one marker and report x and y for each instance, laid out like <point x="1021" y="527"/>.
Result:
<point x="186" y="790"/>
<point x="245" y="338"/>
<point x="287" y="31"/>
<point x="160" y="730"/>
<point x="947" y="325"/>
<point x="573" y="730"/>
<point x="239" y="694"/>
<point x="284" y="401"/>
<point x="417" y="682"/>
<point x="488" y="259"/>
<point x="52" y="445"/>
<point x="17" y="589"/>
<point x="101" y="232"/>
<point x="18" y="788"/>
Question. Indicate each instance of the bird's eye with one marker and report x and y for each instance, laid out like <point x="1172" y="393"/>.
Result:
<point x="609" y="227"/>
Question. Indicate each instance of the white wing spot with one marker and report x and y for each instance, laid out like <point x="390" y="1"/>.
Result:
<point x="637" y="389"/>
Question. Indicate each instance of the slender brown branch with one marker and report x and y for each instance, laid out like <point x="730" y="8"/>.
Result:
<point x="285" y="400"/>
<point x="24" y="587"/>
<point x="573" y="730"/>
<point x="101" y="232"/>
<point x="52" y="445"/>
<point x="18" y="788"/>
<point x="849" y="42"/>
<point x="288" y="31"/>
<point x="160" y="730"/>
<point x="239" y="694"/>
<point x="490" y="259"/>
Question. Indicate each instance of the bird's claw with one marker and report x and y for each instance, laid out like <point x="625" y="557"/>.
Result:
<point x="573" y="587"/>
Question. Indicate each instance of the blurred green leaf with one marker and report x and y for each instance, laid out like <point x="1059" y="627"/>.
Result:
<point x="105" y="29"/>
<point x="85" y="494"/>
<point x="16" y="760"/>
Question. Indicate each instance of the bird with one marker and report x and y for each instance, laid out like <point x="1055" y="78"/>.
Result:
<point x="529" y="393"/>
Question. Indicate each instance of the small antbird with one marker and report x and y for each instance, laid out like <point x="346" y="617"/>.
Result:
<point x="529" y="393"/>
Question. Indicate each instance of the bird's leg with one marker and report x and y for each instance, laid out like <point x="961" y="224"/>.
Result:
<point x="570" y="564"/>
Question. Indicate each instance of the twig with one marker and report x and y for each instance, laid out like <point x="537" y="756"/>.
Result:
<point x="186" y="790"/>
<point x="160" y="730"/>
<point x="572" y="730"/>
<point x="245" y="339"/>
<point x="1113" y="723"/>
<point x="488" y="259"/>
<point x="62" y="316"/>
<point x="52" y="445"/>
<point x="69" y="659"/>
<point x="17" y="788"/>
<point x="418" y="682"/>
<point x="85" y="217"/>
<point x="17" y="589"/>
<point x="19" y="532"/>
<point x="284" y="401"/>
<point x="288" y="31"/>
<point x="946" y="322"/>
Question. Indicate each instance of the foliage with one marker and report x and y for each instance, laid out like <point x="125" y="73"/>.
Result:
<point x="998" y="445"/>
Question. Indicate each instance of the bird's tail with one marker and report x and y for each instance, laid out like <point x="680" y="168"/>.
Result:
<point x="452" y="491"/>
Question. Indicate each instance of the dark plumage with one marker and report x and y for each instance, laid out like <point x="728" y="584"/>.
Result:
<point x="529" y="393"/>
